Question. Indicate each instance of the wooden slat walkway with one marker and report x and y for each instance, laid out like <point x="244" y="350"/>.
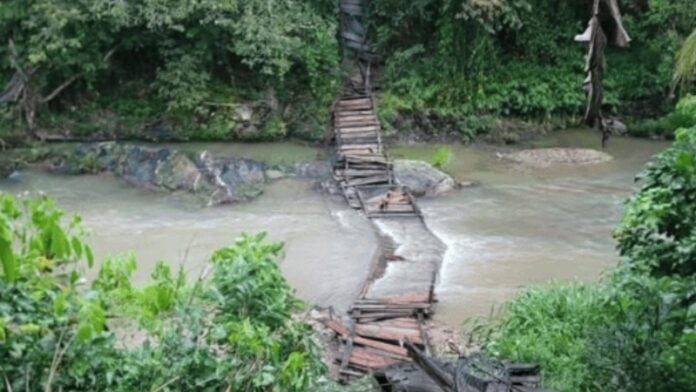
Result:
<point x="395" y="300"/>
<point x="398" y="294"/>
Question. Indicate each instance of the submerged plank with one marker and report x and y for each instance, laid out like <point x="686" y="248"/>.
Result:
<point x="388" y="333"/>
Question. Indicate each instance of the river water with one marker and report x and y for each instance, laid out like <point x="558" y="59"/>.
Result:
<point x="321" y="259"/>
<point x="519" y="226"/>
<point x="522" y="225"/>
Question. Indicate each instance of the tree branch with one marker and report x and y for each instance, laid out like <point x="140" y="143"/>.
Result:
<point x="72" y="80"/>
<point x="14" y="57"/>
<point x="60" y="88"/>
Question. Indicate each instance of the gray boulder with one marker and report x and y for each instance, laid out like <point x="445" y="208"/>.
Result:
<point x="422" y="178"/>
<point x="217" y="180"/>
<point x="7" y="167"/>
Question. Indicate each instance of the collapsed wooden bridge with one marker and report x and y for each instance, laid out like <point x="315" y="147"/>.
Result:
<point x="398" y="294"/>
<point x="384" y="331"/>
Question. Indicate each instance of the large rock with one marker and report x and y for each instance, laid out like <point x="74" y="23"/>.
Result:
<point x="217" y="180"/>
<point x="7" y="167"/>
<point x="422" y="178"/>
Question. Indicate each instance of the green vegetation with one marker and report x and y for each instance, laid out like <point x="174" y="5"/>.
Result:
<point x="456" y="59"/>
<point x="683" y="116"/>
<point x="233" y="328"/>
<point x="136" y="68"/>
<point x="258" y="70"/>
<point x="636" y="329"/>
<point x="442" y="157"/>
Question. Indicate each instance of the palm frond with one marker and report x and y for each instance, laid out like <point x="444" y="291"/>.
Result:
<point x="685" y="68"/>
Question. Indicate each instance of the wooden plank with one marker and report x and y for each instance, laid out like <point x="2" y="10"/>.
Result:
<point x="398" y="208"/>
<point x="368" y="159"/>
<point x="363" y="357"/>
<point x="356" y="104"/>
<point x="401" y="299"/>
<point x="345" y="113"/>
<point x="337" y="327"/>
<point x="399" y="322"/>
<point x="394" y="349"/>
<point x="388" y="333"/>
<point x="374" y="147"/>
<point x="358" y="139"/>
<point x="356" y="135"/>
<point x="369" y="180"/>
<point x="368" y="167"/>
<point x="355" y="123"/>
<point x="392" y="306"/>
<point x="369" y="128"/>
<point x="362" y="117"/>
<point x="359" y="173"/>
<point x="368" y="162"/>
<point x="348" y="137"/>
<point x="404" y="312"/>
<point x="379" y="317"/>
<point x="356" y="153"/>
<point x="347" y="103"/>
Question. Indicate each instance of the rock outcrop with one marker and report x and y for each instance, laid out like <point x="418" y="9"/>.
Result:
<point x="217" y="180"/>
<point x="7" y="167"/>
<point x="422" y="178"/>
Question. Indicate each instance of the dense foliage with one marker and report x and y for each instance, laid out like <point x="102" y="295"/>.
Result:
<point x="233" y="328"/>
<point x="658" y="231"/>
<point x="517" y="57"/>
<point x="636" y="329"/>
<point x="189" y="62"/>
<point x="180" y="69"/>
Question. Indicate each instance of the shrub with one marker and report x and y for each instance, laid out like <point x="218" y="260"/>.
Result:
<point x="657" y="234"/>
<point x="548" y="326"/>
<point x="234" y="331"/>
<point x="442" y="157"/>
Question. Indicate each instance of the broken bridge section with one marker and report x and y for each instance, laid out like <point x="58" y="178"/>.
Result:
<point x="397" y="296"/>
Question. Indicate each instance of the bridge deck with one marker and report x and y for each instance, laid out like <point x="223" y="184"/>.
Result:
<point x="398" y="294"/>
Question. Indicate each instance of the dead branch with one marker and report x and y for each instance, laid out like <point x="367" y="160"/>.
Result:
<point x="7" y="383"/>
<point x="14" y="57"/>
<point x="14" y="88"/>
<point x="59" y="89"/>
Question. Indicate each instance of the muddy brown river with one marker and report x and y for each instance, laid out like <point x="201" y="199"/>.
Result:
<point x="521" y="225"/>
